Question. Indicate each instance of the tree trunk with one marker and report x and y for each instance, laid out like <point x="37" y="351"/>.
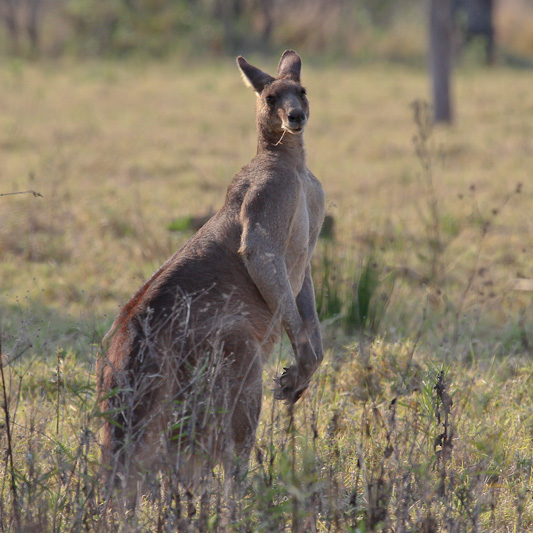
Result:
<point x="34" y="23"/>
<point x="10" y="18"/>
<point x="440" y="58"/>
<point x="480" y="16"/>
<point x="268" y="21"/>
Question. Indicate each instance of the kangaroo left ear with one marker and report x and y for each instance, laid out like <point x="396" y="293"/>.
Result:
<point x="290" y="66"/>
<point x="253" y="76"/>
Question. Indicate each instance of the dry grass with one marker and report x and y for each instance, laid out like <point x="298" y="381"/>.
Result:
<point x="387" y="439"/>
<point x="118" y="151"/>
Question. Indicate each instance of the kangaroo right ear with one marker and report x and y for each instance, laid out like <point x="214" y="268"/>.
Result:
<point x="252" y="76"/>
<point x="290" y="66"/>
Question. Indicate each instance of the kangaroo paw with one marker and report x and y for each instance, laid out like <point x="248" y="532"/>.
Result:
<point x="287" y="388"/>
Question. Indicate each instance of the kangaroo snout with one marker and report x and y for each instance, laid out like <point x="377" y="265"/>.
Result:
<point x="296" y="120"/>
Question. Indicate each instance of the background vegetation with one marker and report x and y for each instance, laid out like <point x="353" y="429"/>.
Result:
<point x="421" y="418"/>
<point x="365" y="29"/>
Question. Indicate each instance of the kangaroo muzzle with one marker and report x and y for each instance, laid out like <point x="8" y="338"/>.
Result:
<point x="296" y="120"/>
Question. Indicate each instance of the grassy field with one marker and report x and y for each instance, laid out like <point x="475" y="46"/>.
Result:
<point x="422" y="416"/>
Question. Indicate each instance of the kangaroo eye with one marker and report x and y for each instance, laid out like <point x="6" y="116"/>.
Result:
<point x="303" y="92"/>
<point x="270" y="99"/>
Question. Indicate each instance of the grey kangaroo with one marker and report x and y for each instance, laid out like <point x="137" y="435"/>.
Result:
<point x="180" y="372"/>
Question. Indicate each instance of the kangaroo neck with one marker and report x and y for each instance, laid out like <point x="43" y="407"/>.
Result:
<point x="284" y="144"/>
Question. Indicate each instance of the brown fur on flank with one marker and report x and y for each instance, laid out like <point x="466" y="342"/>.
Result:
<point x="180" y="375"/>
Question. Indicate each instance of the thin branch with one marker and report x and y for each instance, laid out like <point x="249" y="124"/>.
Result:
<point x="35" y="193"/>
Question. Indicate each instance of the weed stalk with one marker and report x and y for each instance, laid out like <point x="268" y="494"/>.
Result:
<point x="9" y="442"/>
<point x="424" y="124"/>
<point x="58" y="385"/>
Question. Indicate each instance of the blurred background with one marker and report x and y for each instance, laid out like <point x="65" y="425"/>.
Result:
<point x="491" y="31"/>
<point x="502" y="30"/>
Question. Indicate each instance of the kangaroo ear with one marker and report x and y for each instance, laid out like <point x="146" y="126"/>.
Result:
<point x="252" y="76"/>
<point x="290" y="66"/>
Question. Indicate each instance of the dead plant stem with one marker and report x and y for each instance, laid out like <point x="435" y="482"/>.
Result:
<point x="9" y="443"/>
<point x="35" y="193"/>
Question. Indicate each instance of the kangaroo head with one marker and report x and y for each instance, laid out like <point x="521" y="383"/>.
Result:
<point x="282" y="104"/>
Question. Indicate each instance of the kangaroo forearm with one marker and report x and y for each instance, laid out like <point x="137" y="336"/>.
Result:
<point x="298" y="315"/>
<point x="315" y="337"/>
<point x="305" y="302"/>
<point x="270" y="277"/>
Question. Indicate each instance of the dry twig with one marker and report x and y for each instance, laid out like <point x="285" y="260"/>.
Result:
<point x="35" y="193"/>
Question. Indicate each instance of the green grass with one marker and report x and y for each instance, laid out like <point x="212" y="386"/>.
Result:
<point x="120" y="152"/>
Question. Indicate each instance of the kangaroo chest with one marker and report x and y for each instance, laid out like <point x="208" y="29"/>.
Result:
<point x="305" y="227"/>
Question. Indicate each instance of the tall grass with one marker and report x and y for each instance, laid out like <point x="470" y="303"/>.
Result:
<point x="352" y="296"/>
<point x="383" y="440"/>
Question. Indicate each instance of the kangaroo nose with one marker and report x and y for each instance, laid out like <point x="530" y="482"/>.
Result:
<point x="296" y="116"/>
